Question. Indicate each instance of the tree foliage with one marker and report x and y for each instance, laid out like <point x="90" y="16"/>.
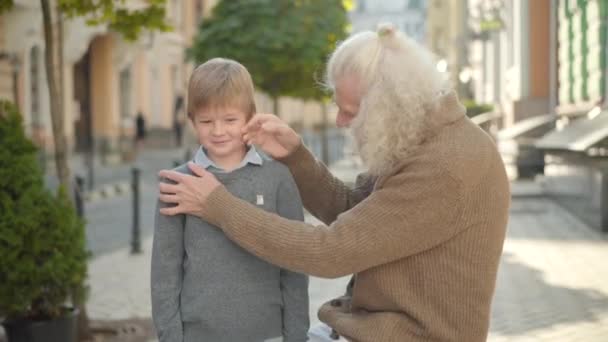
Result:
<point x="129" y="23"/>
<point x="283" y="43"/>
<point x="5" y="5"/>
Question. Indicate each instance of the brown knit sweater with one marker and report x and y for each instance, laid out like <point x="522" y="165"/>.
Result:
<point x="424" y="245"/>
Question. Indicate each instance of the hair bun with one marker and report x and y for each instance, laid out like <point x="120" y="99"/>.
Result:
<point x="386" y="29"/>
<point x="387" y="32"/>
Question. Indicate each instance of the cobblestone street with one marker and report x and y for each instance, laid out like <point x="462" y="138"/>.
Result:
<point x="553" y="278"/>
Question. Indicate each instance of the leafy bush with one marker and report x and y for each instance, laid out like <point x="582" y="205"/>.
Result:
<point x="43" y="258"/>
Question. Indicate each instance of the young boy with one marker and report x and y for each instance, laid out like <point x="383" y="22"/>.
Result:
<point x="205" y="287"/>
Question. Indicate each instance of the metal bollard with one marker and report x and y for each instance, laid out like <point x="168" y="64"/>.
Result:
<point x="78" y="196"/>
<point x="89" y="160"/>
<point x="135" y="236"/>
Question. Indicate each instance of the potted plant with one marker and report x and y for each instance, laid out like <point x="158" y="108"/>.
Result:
<point x="43" y="257"/>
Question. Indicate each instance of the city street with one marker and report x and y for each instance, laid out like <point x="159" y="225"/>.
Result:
<point x="109" y="214"/>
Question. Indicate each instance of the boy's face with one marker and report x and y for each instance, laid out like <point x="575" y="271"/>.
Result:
<point x="219" y="131"/>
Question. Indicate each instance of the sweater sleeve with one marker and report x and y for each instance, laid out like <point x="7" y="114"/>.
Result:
<point x="166" y="275"/>
<point x="324" y="195"/>
<point x="294" y="285"/>
<point x="415" y="210"/>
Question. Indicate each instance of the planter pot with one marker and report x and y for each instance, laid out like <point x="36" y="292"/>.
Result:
<point x="62" y="329"/>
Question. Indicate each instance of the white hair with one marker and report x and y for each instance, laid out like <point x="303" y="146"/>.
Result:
<point x="399" y="84"/>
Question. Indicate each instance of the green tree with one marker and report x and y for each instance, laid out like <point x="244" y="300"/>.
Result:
<point x="283" y="43"/>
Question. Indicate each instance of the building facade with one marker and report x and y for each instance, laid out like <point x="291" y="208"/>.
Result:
<point x="107" y="80"/>
<point x="447" y="35"/>
<point x="510" y="56"/>
<point x="582" y="37"/>
<point x="408" y="15"/>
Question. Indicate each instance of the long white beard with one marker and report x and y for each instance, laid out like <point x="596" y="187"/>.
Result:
<point x="376" y="147"/>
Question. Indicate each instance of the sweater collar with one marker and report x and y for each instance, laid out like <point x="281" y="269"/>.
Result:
<point x="446" y="111"/>
<point x="251" y="157"/>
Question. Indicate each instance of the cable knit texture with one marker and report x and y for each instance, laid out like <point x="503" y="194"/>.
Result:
<point x="423" y="240"/>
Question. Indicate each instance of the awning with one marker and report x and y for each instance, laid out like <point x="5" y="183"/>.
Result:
<point x="529" y="128"/>
<point x="578" y="135"/>
<point x="485" y="117"/>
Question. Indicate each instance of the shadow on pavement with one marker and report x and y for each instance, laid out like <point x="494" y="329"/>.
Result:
<point x="525" y="302"/>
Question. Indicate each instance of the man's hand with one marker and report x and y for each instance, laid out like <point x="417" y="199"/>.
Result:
<point x="189" y="193"/>
<point x="272" y="135"/>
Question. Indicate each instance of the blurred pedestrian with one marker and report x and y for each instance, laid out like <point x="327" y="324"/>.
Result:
<point x="179" y="120"/>
<point x="140" y="130"/>
<point x="422" y="230"/>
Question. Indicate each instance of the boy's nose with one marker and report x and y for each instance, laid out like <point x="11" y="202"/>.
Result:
<point x="218" y="128"/>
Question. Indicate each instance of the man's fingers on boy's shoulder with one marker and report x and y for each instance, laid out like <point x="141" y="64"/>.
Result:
<point x="168" y="198"/>
<point x="166" y="188"/>
<point x="197" y="169"/>
<point x="170" y="175"/>
<point x="170" y="211"/>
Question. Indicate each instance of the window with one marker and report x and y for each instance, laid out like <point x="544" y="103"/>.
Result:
<point x="125" y="95"/>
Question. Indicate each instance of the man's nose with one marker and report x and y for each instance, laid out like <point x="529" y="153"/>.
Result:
<point x="342" y="121"/>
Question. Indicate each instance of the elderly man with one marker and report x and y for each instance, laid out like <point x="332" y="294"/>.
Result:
<point x="422" y="230"/>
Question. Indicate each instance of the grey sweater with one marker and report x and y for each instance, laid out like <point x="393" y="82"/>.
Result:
<point x="207" y="288"/>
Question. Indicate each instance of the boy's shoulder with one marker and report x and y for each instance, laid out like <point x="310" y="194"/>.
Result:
<point x="274" y="168"/>
<point x="181" y="169"/>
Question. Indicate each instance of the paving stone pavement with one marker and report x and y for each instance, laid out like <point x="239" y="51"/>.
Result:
<point x="553" y="278"/>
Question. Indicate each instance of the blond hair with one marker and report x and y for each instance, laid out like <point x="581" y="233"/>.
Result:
<point x="399" y="85"/>
<point x="221" y="82"/>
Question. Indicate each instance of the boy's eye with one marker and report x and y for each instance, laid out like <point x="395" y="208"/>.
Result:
<point x="205" y="121"/>
<point x="231" y="119"/>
